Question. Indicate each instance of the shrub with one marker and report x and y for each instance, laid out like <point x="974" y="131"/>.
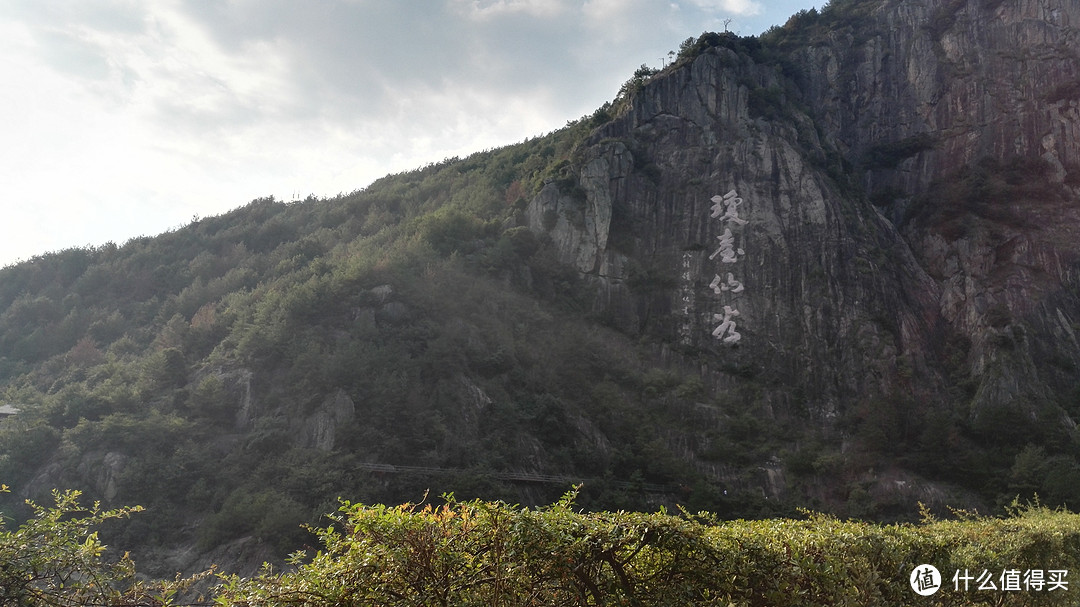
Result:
<point x="492" y="553"/>
<point x="55" y="559"/>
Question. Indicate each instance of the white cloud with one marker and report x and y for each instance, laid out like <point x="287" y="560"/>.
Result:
<point x="615" y="20"/>
<point x="488" y="9"/>
<point x="127" y="118"/>
<point x="738" y="8"/>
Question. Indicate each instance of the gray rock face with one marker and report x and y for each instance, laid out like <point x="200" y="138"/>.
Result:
<point x="908" y="184"/>
<point x="321" y="427"/>
<point x="579" y="221"/>
<point x="966" y="118"/>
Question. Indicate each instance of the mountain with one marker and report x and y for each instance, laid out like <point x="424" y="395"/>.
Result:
<point x="834" y="266"/>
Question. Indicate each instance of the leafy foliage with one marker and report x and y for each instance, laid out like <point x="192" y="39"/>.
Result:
<point x="180" y="371"/>
<point x="492" y="553"/>
<point x="189" y="372"/>
<point x="56" y="559"/>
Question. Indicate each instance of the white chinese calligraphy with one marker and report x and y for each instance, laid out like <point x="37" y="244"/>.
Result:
<point x="726" y="326"/>
<point x="719" y="285"/>
<point x="728" y="204"/>
<point x="727" y="249"/>
<point x="726" y="210"/>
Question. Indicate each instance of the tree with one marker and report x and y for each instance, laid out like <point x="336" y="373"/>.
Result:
<point x="56" y="559"/>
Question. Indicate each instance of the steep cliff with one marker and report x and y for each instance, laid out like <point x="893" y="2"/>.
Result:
<point x="833" y="266"/>
<point x="908" y="175"/>
<point x="964" y="117"/>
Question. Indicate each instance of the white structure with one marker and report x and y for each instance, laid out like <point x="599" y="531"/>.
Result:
<point x="8" y="410"/>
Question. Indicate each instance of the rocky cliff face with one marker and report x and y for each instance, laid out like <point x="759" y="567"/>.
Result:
<point x="901" y="212"/>
<point x="964" y="117"/>
<point x="805" y="242"/>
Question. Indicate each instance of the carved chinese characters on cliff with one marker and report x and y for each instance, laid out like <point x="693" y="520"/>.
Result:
<point x="727" y="250"/>
<point x="725" y="209"/>
<point x="727" y="326"/>
<point x="718" y="285"/>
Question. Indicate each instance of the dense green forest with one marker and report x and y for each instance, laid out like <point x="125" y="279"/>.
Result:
<point x="409" y="296"/>
<point x="237" y="376"/>
<point x="195" y="357"/>
<point x="135" y="349"/>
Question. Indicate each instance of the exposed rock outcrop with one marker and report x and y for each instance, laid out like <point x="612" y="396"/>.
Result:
<point x="965" y="117"/>
<point x="909" y="178"/>
<point x="321" y="427"/>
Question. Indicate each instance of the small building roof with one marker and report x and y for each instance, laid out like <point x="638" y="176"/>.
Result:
<point x="8" y="409"/>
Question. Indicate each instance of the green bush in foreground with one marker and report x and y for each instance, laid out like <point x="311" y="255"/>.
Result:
<point x="491" y="553"/>
<point x="55" y="559"/>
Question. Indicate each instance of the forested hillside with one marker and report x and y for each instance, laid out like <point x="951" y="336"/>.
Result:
<point x="235" y="375"/>
<point x="886" y="315"/>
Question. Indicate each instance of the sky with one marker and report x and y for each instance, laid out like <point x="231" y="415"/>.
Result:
<point x="124" y="118"/>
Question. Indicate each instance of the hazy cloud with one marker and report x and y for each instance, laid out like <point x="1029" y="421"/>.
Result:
<point x="737" y="7"/>
<point x="128" y="117"/>
<point x="485" y="9"/>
